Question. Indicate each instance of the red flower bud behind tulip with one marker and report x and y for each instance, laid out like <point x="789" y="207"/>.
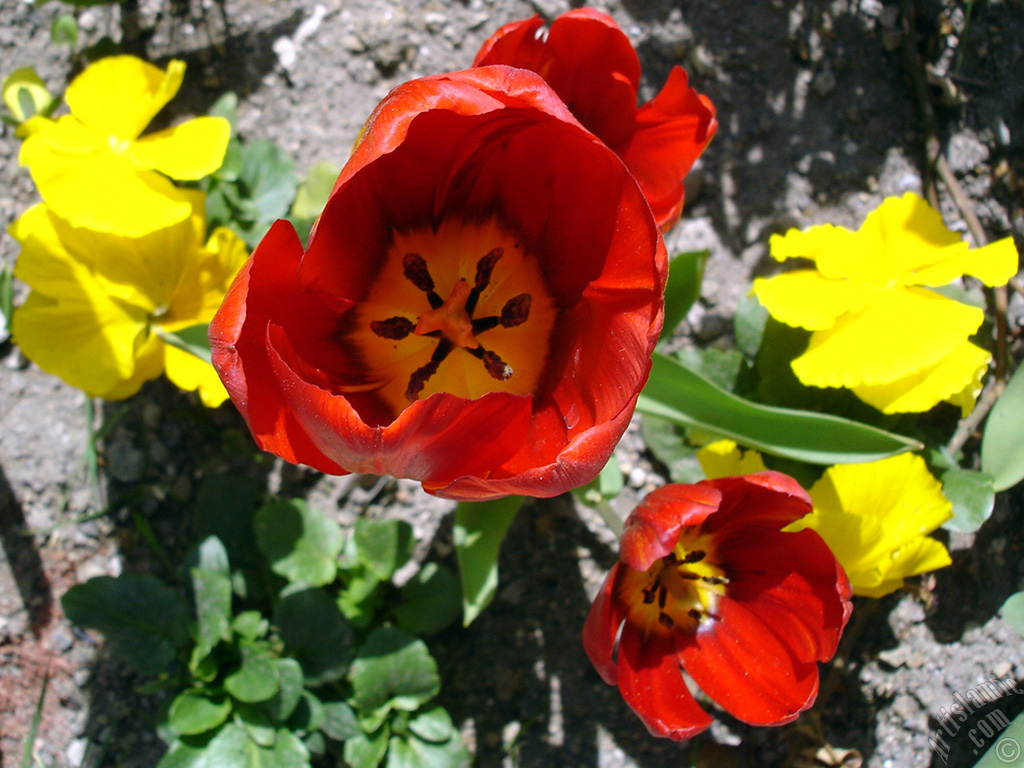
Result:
<point x="592" y="66"/>
<point x="708" y="581"/>
<point x="476" y="307"/>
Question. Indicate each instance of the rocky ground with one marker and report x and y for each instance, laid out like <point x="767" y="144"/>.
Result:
<point x="819" y="120"/>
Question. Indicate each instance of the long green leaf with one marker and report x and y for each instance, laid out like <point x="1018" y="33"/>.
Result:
<point x="681" y="396"/>
<point x="1002" y="450"/>
<point x="685" y="273"/>
<point x="480" y="527"/>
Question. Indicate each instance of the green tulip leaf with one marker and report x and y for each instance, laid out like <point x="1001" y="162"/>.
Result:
<point x="143" y="619"/>
<point x="302" y="544"/>
<point x="679" y="395"/>
<point x="685" y="273"/>
<point x="1002" y="450"/>
<point x="480" y="527"/>
<point x="393" y="671"/>
<point x="1005" y="752"/>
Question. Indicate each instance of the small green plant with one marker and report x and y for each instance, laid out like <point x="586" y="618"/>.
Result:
<point x="285" y="640"/>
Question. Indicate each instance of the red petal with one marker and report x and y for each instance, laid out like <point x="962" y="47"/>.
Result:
<point x="433" y="440"/>
<point x="794" y="584"/>
<point x="585" y="58"/>
<point x="741" y="662"/>
<point x="238" y="348"/>
<point x="651" y="682"/>
<point x="602" y="628"/>
<point x="652" y="530"/>
<point x="672" y="130"/>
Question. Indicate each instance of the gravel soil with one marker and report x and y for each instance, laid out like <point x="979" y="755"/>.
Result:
<point x="819" y="120"/>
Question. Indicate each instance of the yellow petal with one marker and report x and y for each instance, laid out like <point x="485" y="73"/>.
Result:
<point x="205" y="279"/>
<point x="994" y="264"/>
<point x="806" y="299"/>
<point x="875" y="516"/>
<point x="957" y="375"/>
<point x="898" y="334"/>
<point x="146" y="270"/>
<point x="190" y="373"/>
<point x="187" y="152"/>
<point x="120" y="95"/>
<point x="149" y="363"/>
<point x="104" y="192"/>
<point x="86" y="339"/>
<point x="723" y="458"/>
<point x="48" y="141"/>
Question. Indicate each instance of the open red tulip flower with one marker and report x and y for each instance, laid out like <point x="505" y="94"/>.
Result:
<point x="708" y="581"/>
<point x="476" y="308"/>
<point x="591" y="65"/>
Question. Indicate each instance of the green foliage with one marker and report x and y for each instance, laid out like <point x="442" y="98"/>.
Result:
<point x="195" y="340"/>
<point x="1012" y="611"/>
<point x="1002" y="450"/>
<point x="6" y="301"/>
<point x="972" y="496"/>
<point x="272" y="676"/>
<point x="685" y="398"/>
<point x="312" y="195"/>
<point x="686" y="271"/>
<point x="254" y="186"/>
<point x="479" y="530"/>
<point x="64" y="31"/>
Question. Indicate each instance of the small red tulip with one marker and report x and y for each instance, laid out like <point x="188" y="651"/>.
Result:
<point x="590" y="64"/>
<point x="709" y="582"/>
<point x="476" y="308"/>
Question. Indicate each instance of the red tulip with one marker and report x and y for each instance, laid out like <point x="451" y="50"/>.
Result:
<point x="476" y="307"/>
<point x="707" y="580"/>
<point x="591" y="65"/>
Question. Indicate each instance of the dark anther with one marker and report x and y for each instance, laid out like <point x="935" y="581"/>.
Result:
<point x="415" y="270"/>
<point x="393" y="328"/>
<point x="516" y="311"/>
<point x="496" y="366"/>
<point x="713" y="579"/>
<point x="662" y="597"/>
<point x="671" y="558"/>
<point x="688" y="575"/>
<point x="485" y="324"/>
<point x="695" y="556"/>
<point x="484" y="268"/>
<point x="666" y="620"/>
<point x="422" y="374"/>
<point x="695" y="614"/>
<point x="649" y="594"/>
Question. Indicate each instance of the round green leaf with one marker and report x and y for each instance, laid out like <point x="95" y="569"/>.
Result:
<point x="302" y="544"/>
<point x="193" y="712"/>
<point x="1002" y="450"/>
<point x="1013" y="611"/>
<point x="257" y="679"/>
<point x="282" y="704"/>
<point x="340" y="722"/>
<point x="434" y="725"/>
<point x="431" y="600"/>
<point x="315" y="633"/>
<point x="393" y="671"/>
<point x="383" y="545"/>
<point x="972" y="496"/>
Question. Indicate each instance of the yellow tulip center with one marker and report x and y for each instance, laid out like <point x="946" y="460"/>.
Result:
<point x="679" y="592"/>
<point x="463" y="310"/>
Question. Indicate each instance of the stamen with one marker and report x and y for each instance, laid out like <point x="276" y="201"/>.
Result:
<point x="695" y="614"/>
<point x="662" y="597"/>
<point x="695" y="556"/>
<point x="394" y="328"/>
<point x="516" y="311"/>
<point x="484" y="268"/>
<point x="497" y="367"/>
<point x="485" y="324"/>
<point x="649" y="593"/>
<point x="416" y="272"/>
<point x="714" y="580"/>
<point x="666" y="620"/>
<point x="421" y="375"/>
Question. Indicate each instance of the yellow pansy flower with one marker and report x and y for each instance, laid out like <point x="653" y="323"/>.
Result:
<point x="100" y="301"/>
<point x="92" y="168"/>
<point x="724" y="458"/>
<point x="876" y="518"/>
<point x="877" y="327"/>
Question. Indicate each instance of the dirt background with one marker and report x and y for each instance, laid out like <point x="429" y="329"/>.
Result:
<point x="818" y="122"/>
